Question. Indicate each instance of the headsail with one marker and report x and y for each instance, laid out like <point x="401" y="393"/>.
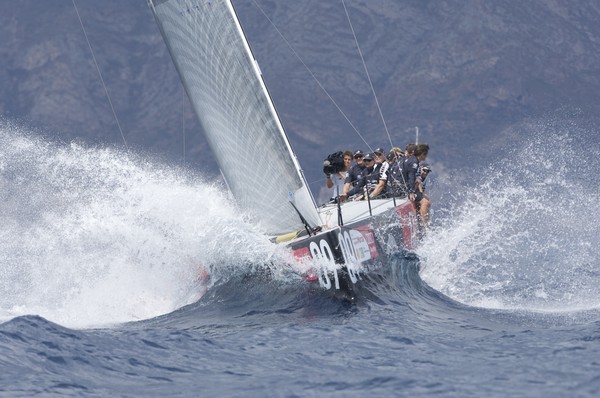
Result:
<point x="226" y="89"/>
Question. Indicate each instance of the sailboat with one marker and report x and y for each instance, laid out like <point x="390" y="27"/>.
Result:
<point x="224" y="83"/>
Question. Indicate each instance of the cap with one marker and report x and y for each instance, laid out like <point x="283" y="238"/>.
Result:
<point x="369" y="156"/>
<point x="359" y="153"/>
<point x="379" y="151"/>
<point x="391" y="155"/>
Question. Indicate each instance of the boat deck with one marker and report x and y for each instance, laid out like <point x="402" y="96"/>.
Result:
<point x="355" y="211"/>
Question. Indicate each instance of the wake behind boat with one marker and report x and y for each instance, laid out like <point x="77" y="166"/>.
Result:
<point x="225" y="86"/>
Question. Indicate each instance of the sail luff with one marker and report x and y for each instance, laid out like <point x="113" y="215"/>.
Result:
<point x="230" y="98"/>
<point x="260" y="77"/>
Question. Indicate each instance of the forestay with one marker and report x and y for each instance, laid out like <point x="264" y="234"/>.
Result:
<point x="228" y="94"/>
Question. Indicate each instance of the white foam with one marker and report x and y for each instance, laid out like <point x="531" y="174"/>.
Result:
<point x="526" y="234"/>
<point x="96" y="236"/>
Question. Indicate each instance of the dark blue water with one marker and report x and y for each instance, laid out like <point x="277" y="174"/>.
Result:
<point x="100" y="295"/>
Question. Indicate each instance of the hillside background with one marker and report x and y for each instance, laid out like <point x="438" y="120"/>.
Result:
<point x="467" y="73"/>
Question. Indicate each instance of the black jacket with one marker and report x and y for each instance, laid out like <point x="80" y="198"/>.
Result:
<point x="355" y="174"/>
<point x="370" y="178"/>
<point x="409" y="173"/>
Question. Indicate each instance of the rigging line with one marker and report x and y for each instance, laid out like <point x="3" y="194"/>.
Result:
<point x="367" y="72"/>
<point x="311" y="73"/>
<point x="320" y="180"/>
<point x="100" y="74"/>
<point x="183" y="119"/>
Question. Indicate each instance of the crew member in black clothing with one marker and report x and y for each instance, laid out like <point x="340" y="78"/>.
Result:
<point x="425" y="203"/>
<point x="410" y="168"/>
<point x="409" y="175"/>
<point x="409" y="150"/>
<point x="395" y="186"/>
<point x="356" y="172"/>
<point x="422" y="173"/>
<point x="399" y="153"/>
<point x="409" y="172"/>
<point x="368" y="181"/>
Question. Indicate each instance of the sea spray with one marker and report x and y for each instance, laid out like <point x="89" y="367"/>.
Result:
<point x="525" y="233"/>
<point x="94" y="236"/>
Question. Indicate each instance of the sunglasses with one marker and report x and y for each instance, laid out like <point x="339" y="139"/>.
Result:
<point x="368" y="160"/>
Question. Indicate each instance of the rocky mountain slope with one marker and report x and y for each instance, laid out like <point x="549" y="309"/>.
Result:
<point x="465" y="72"/>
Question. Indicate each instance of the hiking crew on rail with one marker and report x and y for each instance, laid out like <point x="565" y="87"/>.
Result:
<point x="376" y="175"/>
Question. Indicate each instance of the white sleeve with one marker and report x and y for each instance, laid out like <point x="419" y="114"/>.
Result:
<point x="383" y="173"/>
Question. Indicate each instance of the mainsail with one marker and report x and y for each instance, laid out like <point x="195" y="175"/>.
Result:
<point x="228" y="94"/>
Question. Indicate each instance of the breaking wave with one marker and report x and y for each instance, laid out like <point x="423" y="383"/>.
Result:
<point x="98" y="236"/>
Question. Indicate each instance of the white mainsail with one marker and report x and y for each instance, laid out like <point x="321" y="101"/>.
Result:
<point x="228" y="94"/>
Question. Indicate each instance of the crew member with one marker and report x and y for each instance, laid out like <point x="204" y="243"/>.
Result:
<point x="337" y="180"/>
<point x="382" y="188"/>
<point x="368" y="182"/>
<point x="379" y="157"/>
<point x="399" y="153"/>
<point x="395" y="186"/>
<point x="409" y="150"/>
<point x="409" y="174"/>
<point x="425" y="203"/>
<point x="356" y="172"/>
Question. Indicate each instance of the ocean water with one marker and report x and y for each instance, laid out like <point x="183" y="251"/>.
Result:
<point x="123" y="276"/>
